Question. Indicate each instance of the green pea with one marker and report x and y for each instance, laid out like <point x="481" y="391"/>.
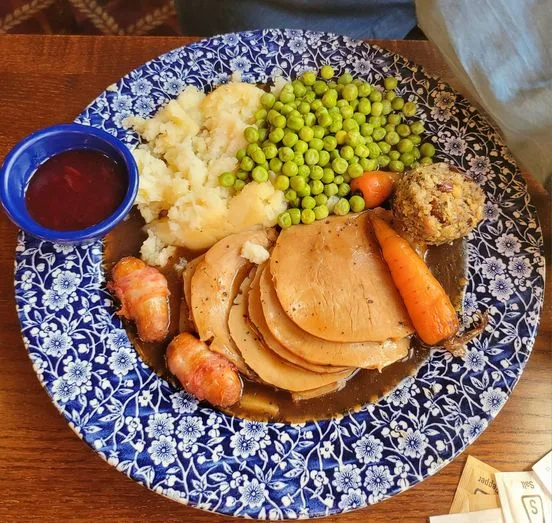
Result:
<point x="247" y="164"/>
<point x="307" y="216"/>
<point x="368" y="139"/>
<point x="397" y="103"/>
<point x="258" y="156"/>
<point x="308" y="202"/>
<point x="362" y="151"/>
<point x="390" y="95"/>
<point x="364" y="89"/>
<point x="366" y="129"/>
<point x="287" y="97"/>
<point x="394" y="119"/>
<point x="279" y="121"/>
<point x="284" y="220"/>
<point x="320" y="87"/>
<point x="374" y="150"/>
<point x="329" y="143"/>
<point x="344" y="189"/>
<point x="359" y="118"/>
<point x="241" y="153"/>
<point x="416" y="153"/>
<point x="346" y="111"/>
<point x="290" y="169"/>
<point x="409" y="109"/>
<point x="339" y="165"/>
<point x="394" y="155"/>
<point x="349" y="92"/>
<point x="303" y="108"/>
<point x="304" y="171"/>
<point x="227" y="179"/>
<point x="270" y="151"/>
<point x="354" y="138"/>
<point x="319" y="131"/>
<point x="267" y="100"/>
<point x="310" y="119"/>
<point x="357" y="203"/>
<point x="324" y="158"/>
<point x="334" y="154"/>
<point x="311" y="157"/>
<point x="285" y="154"/>
<point x="340" y="137"/>
<point x="330" y="189"/>
<point x="276" y="135"/>
<point x="316" y="172"/>
<point x="396" y="166"/>
<point x="290" y="139"/>
<point x="242" y="175"/>
<point x="384" y="147"/>
<point x="281" y="182"/>
<point x="275" y="165"/>
<point x="364" y="106"/>
<point x="327" y="72"/>
<point x="407" y="158"/>
<point x="259" y="174"/>
<point x="297" y="183"/>
<point x="349" y="124"/>
<point x="377" y="109"/>
<point x="375" y="121"/>
<point x="390" y="83"/>
<point x="337" y="124"/>
<point x="354" y="160"/>
<point x="291" y="195"/>
<point x="384" y="160"/>
<point x="428" y="150"/>
<point x="346" y="152"/>
<point x="330" y="98"/>
<point x="369" y="164"/>
<point x="309" y="97"/>
<point x="386" y="104"/>
<point x="403" y="130"/>
<point x="416" y="139"/>
<point x="306" y="134"/>
<point x="417" y="127"/>
<point x="316" y="187"/>
<point x="328" y="175"/>
<point x="263" y="133"/>
<point x="251" y="148"/>
<point x="286" y="110"/>
<point x="342" y="207"/>
<point x="298" y="159"/>
<point x="321" y="212"/>
<point x="317" y="144"/>
<point x="299" y="88"/>
<point x="426" y="160"/>
<point x="376" y="96"/>
<point x="295" y="216"/>
<point x="355" y="170"/>
<point x="321" y="199"/>
<point x="261" y="114"/>
<point x="405" y="146"/>
<point x="392" y="138"/>
<point x="278" y="106"/>
<point x="345" y="78"/>
<point x="379" y="134"/>
<point x="300" y="147"/>
<point x="317" y="104"/>
<point x="309" y="77"/>
<point x="295" y="122"/>
<point x="239" y="185"/>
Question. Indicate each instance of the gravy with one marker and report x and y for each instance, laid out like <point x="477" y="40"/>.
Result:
<point x="447" y="262"/>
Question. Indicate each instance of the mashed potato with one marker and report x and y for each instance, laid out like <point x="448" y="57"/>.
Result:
<point x="187" y="145"/>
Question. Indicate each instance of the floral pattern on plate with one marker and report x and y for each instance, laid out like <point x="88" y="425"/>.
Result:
<point x="162" y="438"/>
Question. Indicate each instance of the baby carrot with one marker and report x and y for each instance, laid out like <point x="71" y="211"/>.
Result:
<point x="427" y="303"/>
<point x="375" y="186"/>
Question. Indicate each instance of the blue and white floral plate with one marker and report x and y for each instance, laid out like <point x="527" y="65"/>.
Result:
<point x="161" y="438"/>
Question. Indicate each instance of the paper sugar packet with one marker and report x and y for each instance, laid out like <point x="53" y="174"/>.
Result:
<point x="543" y="470"/>
<point x="522" y="498"/>
<point x="493" y="515"/>
<point x="476" y="489"/>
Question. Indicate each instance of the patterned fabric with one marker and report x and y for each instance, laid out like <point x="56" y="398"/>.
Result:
<point x="104" y="17"/>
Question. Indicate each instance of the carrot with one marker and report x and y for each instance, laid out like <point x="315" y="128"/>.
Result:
<point x="427" y="303"/>
<point x="375" y="186"/>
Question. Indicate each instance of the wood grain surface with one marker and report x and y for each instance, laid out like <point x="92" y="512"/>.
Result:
<point x="46" y="472"/>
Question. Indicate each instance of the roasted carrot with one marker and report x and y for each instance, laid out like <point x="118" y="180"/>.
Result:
<point x="427" y="303"/>
<point x="375" y="186"/>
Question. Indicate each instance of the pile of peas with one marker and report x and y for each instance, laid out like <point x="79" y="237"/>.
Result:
<point x="319" y="134"/>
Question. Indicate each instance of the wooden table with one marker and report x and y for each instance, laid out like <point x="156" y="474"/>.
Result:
<point x="46" y="472"/>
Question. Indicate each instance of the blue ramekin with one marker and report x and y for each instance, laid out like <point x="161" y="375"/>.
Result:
<point x="31" y="152"/>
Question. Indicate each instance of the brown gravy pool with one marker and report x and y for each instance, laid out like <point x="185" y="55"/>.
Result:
<point x="448" y="263"/>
